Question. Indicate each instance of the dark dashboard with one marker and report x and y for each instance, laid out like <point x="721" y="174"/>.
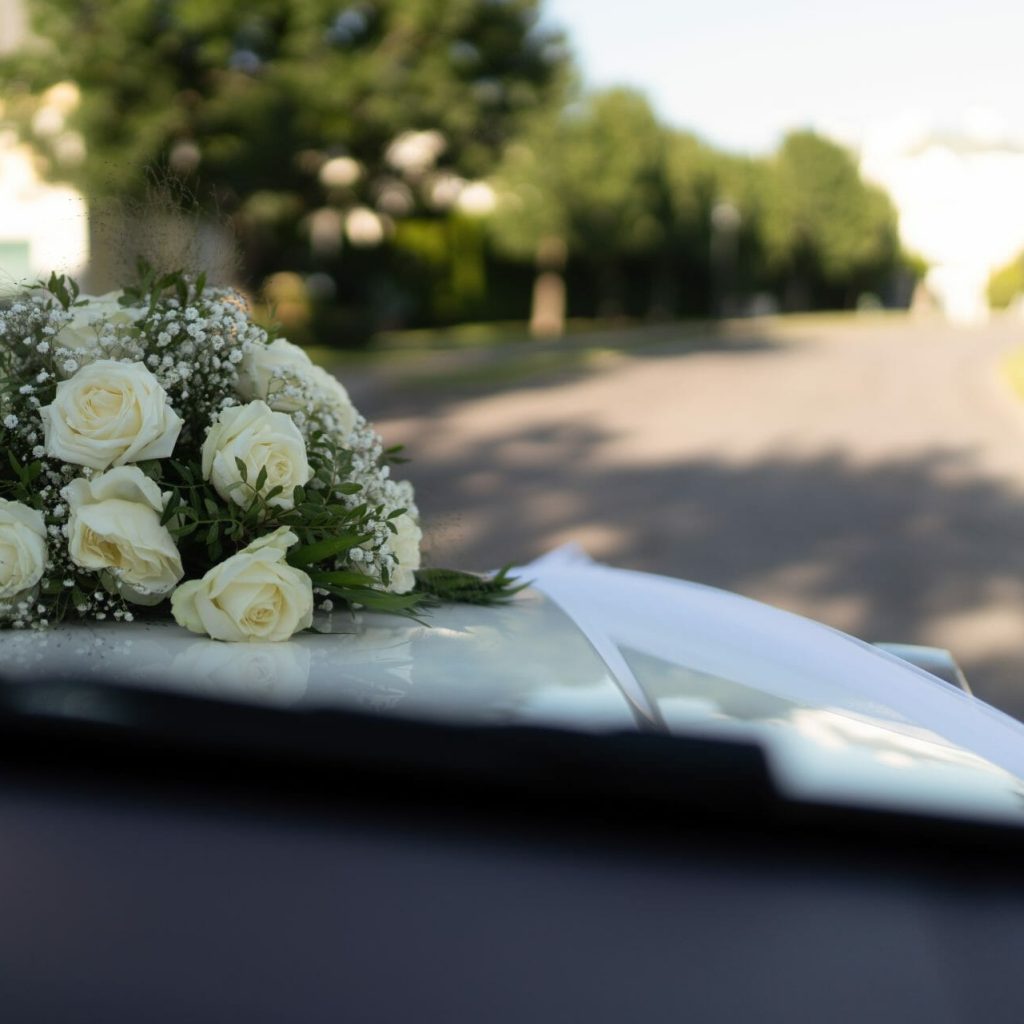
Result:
<point x="171" y="859"/>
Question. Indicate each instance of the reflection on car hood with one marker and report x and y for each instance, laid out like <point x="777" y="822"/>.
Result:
<point x="593" y="648"/>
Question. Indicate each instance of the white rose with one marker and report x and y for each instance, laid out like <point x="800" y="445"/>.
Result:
<point x="277" y="374"/>
<point x="284" y="377"/>
<point x="115" y="525"/>
<point x="254" y="595"/>
<point x="81" y="333"/>
<point x="262" y="439"/>
<point x="330" y="393"/>
<point x="405" y="546"/>
<point x="110" y="413"/>
<point x="22" y="548"/>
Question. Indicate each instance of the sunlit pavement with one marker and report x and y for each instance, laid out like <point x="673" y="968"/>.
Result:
<point x="868" y="474"/>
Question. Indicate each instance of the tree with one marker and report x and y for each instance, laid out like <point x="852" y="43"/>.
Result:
<point x="825" y="233"/>
<point x="589" y="185"/>
<point x="682" y="276"/>
<point x="308" y="121"/>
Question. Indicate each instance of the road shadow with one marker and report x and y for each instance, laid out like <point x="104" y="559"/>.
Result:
<point x="399" y="385"/>
<point x="921" y="549"/>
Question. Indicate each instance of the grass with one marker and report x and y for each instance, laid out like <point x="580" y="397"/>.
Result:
<point x="506" y="332"/>
<point x="1013" y="370"/>
<point x="510" y="372"/>
<point x="493" y="356"/>
<point x="489" y="334"/>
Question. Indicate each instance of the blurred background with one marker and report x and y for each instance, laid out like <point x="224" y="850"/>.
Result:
<point x="732" y="293"/>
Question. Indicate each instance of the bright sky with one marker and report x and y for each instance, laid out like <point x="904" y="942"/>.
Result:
<point x="740" y="72"/>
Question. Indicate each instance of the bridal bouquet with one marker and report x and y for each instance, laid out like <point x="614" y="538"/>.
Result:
<point x="162" y="451"/>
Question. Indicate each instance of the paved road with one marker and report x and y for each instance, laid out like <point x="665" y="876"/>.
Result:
<point x="870" y="475"/>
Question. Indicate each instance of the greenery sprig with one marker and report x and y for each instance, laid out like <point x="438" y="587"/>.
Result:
<point x="452" y="585"/>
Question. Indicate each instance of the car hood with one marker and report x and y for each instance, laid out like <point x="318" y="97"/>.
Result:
<point x="588" y="647"/>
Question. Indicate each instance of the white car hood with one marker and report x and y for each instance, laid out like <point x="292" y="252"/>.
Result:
<point x="592" y="648"/>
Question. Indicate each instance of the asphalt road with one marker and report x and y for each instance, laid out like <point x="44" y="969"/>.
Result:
<point x="867" y="474"/>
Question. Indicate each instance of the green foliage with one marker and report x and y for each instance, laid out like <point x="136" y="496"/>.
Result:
<point x="622" y="191"/>
<point x="443" y="259"/>
<point x="64" y="289"/>
<point x="247" y="102"/>
<point x="693" y="177"/>
<point x="821" y="224"/>
<point x="450" y="585"/>
<point x="593" y="177"/>
<point x="247" y="99"/>
<point x="18" y="480"/>
<point x="151" y="286"/>
<point x="1006" y="283"/>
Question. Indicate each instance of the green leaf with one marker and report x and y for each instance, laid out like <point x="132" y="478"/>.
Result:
<point x="468" y="588"/>
<point x="183" y="471"/>
<point x="243" y="469"/>
<point x="173" y="504"/>
<point x="393" y="455"/>
<point x="57" y="286"/>
<point x="378" y="600"/>
<point x="342" y="579"/>
<point x="331" y="547"/>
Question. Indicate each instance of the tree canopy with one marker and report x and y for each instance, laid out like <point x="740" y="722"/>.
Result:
<point x="287" y="114"/>
<point x="419" y="158"/>
<point x="821" y="225"/>
<point x="255" y="92"/>
<point x="620" y="188"/>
